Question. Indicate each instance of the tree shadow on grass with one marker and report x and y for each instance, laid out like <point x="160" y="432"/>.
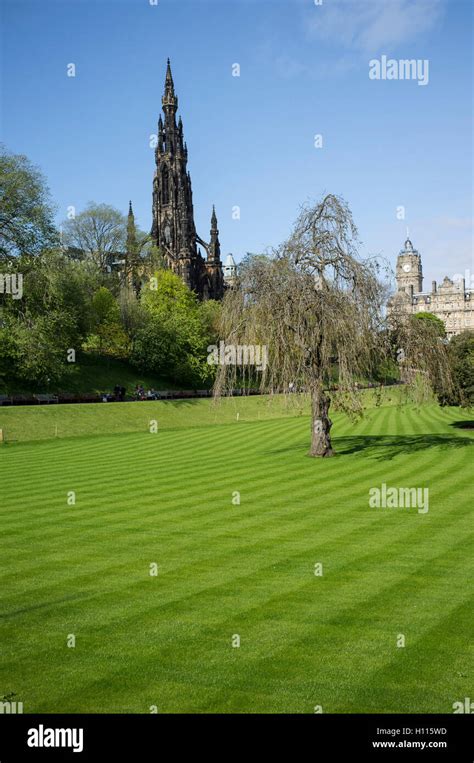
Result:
<point x="465" y="424"/>
<point x="386" y="447"/>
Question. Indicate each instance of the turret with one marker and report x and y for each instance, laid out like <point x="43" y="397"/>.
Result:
<point x="179" y="146"/>
<point x="214" y="246"/>
<point x="230" y="271"/>
<point x="161" y="136"/>
<point x="131" y="233"/>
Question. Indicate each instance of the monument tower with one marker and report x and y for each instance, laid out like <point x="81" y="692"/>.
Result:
<point x="173" y="228"/>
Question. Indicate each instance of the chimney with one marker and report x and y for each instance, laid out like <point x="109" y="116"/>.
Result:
<point x="433" y="287"/>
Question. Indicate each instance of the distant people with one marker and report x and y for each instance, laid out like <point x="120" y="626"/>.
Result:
<point x="139" y="392"/>
<point x="104" y="398"/>
<point x="123" y="392"/>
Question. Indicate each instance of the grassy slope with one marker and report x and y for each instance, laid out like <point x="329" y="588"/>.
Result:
<point x="95" y="374"/>
<point x="246" y="570"/>
<point x="43" y="422"/>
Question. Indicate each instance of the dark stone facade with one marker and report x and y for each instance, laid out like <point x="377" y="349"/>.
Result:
<point x="173" y="229"/>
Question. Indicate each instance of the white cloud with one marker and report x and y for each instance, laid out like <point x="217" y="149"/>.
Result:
<point x="373" y="25"/>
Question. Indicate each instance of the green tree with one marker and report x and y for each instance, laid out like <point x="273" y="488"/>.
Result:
<point x="210" y="314"/>
<point x="8" y="356"/>
<point x="99" y="231"/>
<point x="51" y="319"/>
<point x="461" y="358"/>
<point x="26" y="214"/>
<point x="104" y="308"/>
<point x="42" y="345"/>
<point x="432" y="320"/>
<point x="174" y="341"/>
<point x="107" y="334"/>
<point x="132" y="313"/>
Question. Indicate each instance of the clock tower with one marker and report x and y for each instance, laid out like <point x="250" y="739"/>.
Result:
<point x="409" y="274"/>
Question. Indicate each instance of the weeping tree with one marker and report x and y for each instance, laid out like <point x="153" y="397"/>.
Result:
<point x="318" y="310"/>
<point x="420" y="347"/>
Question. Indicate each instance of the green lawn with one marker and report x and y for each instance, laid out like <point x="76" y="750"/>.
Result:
<point x="227" y="569"/>
<point x="43" y="422"/>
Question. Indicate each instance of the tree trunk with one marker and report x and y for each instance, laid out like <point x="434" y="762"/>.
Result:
<point x="320" y="425"/>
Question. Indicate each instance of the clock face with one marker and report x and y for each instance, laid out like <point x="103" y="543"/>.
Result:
<point x="407" y="268"/>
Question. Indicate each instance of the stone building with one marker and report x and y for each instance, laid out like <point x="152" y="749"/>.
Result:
<point x="173" y="228"/>
<point x="452" y="301"/>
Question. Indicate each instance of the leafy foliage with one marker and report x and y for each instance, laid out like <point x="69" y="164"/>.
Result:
<point x="107" y="334"/>
<point x="176" y="334"/>
<point x="99" y="231"/>
<point x="461" y="359"/>
<point x="433" y="320"/>
<point x="52" y="317"/>
<point x="26" y="215"/>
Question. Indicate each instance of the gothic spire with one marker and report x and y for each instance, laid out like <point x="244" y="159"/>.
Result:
<point x="214" y="246"/>
<point x="169" y="77"/>
<point x="131" y="237"/>
<point x="169" y="100"/>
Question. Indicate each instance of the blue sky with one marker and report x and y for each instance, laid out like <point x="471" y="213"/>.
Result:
<point x="304" y="70"/>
